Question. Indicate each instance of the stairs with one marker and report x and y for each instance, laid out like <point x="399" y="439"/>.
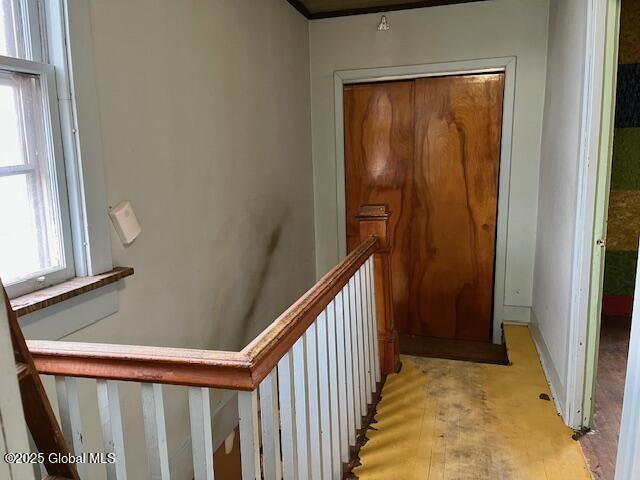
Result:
<point x="41" y="421"/>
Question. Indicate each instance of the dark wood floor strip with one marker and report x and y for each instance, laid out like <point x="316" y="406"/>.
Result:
<point x="449" y="349"/>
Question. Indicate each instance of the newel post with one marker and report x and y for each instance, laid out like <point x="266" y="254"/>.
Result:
<point x="374" y="220"/>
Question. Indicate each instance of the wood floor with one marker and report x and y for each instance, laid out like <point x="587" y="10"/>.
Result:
<point x="601" y="444"/>
<point x="452" y="420"/>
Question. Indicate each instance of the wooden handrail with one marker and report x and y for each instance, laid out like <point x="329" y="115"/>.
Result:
<point x="242" y="370"/>
<point x="173" y="366"/>
<point x="270" y="346"/>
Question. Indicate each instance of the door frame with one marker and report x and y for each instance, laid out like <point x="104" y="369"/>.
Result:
<point x="598" y="225"/>
<point x="594" y="175"/>
<point x="506" y="65"/>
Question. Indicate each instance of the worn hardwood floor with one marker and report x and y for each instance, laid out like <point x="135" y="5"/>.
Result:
<point x="601" y="444"/>
<point x="452" y="420"/>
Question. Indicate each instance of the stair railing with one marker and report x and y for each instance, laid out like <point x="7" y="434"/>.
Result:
<point x="306" y="385"/>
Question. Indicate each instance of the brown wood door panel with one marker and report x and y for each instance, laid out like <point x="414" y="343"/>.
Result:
<point x="379" y="144"/>
<point x="430" y="148"/>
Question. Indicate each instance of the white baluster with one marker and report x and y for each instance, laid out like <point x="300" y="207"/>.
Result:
<point x="249" y="435"/>
<point x="376" y="346"/>
<point x="370" y="326"/>
<point x="270" y="421"/>
<point x="111" y="421"/>
<point x="315" y="446"/>
<point x="70" y="420"/>
<point x="334" y="382"/>
<point x="201" y="439"/>
<point x="155" y="431"/>
<point x="301" y="407"/>
<point x="368" y="371"/>
<point x="362" y="366"/>
<point x="325" y="397"/>
<point x="286" y="395"/>
<point x="347" y="359"/>
<point x="353" y="318"/>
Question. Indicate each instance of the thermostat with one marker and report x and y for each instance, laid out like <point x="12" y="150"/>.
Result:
<point x="125" y="222"/>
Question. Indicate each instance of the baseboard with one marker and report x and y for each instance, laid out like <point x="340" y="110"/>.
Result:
<point x="225" y="420"/>
<point x="516" y="313"/>
<point x="553" y="379"/>
<point x="516" y="323"/>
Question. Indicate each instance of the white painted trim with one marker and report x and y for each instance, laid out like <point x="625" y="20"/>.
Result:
<point x="501" y="64"/>
<point x="201" y="438"/>
<point x="313" y="403"/>
<point x="77" y="107"/>
<point x="249" y="435"/>
<point x="336" y="384"/>
<point x="301" y="407"/>
<point x="58" y="180"/>
<point x="628" y="462"/>
<point x="349" y="358"/>
<point x="584" y="241"/>
<point x="324" y="393"/>
<point x="287" y="417"/>
<point x="56" y="33"/>
<point x="225" y="421"/>
<point x="550" y="372"/>
<point x="356" y="366"/>
<point x="515" y="313"/>
<point x="155" y="430"/>
<point x="270" y="426"/>
<point x="90" y="180"/>
<point x="70" y="50"/>
<point x="110" y="413"/>
<point x="515" y="323"/>
<point x="71" y="418"/>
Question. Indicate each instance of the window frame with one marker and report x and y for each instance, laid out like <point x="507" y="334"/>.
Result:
<point x="46" y="76"/>
<point x="64" y="31"/>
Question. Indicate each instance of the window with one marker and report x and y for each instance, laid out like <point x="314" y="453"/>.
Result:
<point x="36" y="248"/>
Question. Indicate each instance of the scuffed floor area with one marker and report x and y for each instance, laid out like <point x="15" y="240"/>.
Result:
<point x="450" y="420"/>
<point x="600" y="445"/>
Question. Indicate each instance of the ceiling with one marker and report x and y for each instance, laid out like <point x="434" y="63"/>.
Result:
<point x="313" y="9"/>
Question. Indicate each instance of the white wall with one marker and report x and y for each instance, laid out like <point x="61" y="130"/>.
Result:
<point x="205" y="117"/>
<point x="558" y="188"/>
<point x="496" y="28"/>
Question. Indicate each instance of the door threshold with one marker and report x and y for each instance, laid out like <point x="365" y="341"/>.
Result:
<point x="450" y="349"/>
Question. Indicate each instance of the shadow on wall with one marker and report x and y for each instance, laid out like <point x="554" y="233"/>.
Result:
<point x="252" y="291"/>
<point x="259" y="282"/>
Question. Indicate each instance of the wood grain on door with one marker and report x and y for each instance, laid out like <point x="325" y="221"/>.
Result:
<point x="430" y="149"/>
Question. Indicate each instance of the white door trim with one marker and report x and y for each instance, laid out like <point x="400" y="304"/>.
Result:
<point x="485" y="65"/>
<point x="591" y="162"/>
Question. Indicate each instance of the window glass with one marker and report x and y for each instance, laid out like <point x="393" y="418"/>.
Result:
<point x="30" y="227"/>
<point x="12" y="29"/>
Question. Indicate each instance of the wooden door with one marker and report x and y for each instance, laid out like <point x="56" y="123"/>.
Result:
<point x="430" y="149"/>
